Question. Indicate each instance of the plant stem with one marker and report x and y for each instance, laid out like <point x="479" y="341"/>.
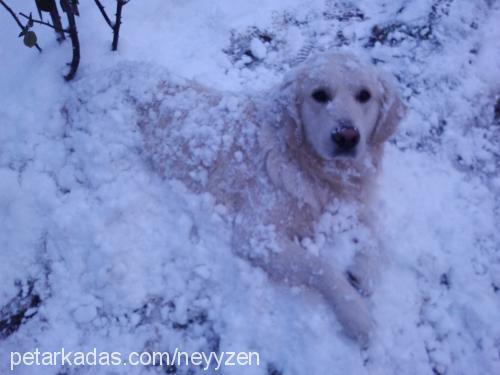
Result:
<point x="75" y="42"/>
<point x="118" y="22"/>
<point x="56" y="21"/>
<point x="44" y="23"/>
<point x="104" y="14"/>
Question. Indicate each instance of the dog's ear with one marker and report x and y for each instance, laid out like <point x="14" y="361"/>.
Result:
<point x="392" y="110"/>
<point x="290" y="100"/>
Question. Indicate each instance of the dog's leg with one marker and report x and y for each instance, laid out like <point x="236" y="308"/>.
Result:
<point x="349" y="306"/>
<point x="363" y="272"/>
<point x="297" y="267"/>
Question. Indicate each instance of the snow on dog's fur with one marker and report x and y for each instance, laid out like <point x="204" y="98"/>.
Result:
<point x="282" y="162"/>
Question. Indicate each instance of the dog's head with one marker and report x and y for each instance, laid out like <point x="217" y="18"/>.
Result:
<point x="340" y="106"/>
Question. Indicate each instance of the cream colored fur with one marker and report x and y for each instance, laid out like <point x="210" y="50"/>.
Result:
<point x="268" y="157"/>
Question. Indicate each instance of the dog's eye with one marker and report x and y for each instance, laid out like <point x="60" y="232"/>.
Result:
<point x="363" y="96"/>
<point x="321" y="96"/>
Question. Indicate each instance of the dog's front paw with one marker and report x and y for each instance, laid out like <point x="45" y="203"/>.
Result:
<point x="350" y="307"/>
<point x="353" y="313"/>
<point x="361" y="274"/>
<point x="364" y="285"/>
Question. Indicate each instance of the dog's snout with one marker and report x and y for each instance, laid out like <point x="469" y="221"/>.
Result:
<point x="346" y="137"/>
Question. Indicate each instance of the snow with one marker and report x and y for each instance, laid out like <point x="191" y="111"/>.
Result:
<point x="98" y="251"/>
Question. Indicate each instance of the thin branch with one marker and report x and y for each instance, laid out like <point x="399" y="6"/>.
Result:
<point x="56" y="21"/>
<point x="12" y="13"/>
<point x="75" y="42"/>
<point x="104" y="14"/>
<point x="118" y="22"/>
<point x="75" y="8"/>
<point x="17" y="20"/>
<point x="45" y="23"/>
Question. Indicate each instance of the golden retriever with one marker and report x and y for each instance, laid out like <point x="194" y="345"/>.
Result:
<point x="279" y="161"/>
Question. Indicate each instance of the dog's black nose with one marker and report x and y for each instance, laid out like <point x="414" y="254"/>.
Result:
<point x="346" y="137"/>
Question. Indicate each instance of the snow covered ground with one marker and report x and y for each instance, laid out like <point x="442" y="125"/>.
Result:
<point x="97" y="251"/>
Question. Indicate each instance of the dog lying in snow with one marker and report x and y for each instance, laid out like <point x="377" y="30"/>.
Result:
<point x="279" y="161"/>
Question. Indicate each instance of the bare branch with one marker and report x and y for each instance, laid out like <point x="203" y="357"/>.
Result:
<point x="75" y="42"/>
<point x="56" y="21"/>
<point x="45" y="23"/>
<point x="12" y="13"/>
<point x="17" y="21"/>
<point x="118" y="22"/>
<point x="104" y="14"/>
<point x="51" y="7"/>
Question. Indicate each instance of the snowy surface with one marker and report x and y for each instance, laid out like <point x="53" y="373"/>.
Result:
<point x="98" y="251"/>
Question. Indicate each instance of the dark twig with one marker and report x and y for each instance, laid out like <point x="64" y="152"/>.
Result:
<point x="76" y="12"/>
<point x="115" y="26"/>
<point x="75" y="42"/>
<point x="51" y="7"/>
<point x="56" y="21"/>
<point x="104" y="14"/>
<point x="118" y="22"/>
<point x="45" y="23"/>
<point x="12" y="13"/>
<point x="17" y="21"/>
